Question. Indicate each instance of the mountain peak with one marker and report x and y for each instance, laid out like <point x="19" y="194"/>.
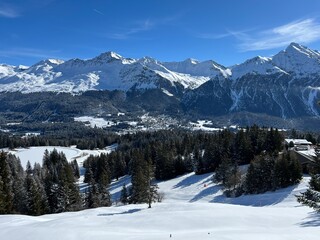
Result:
<point x="296" y="45"/>
<point x="257" y="65"/>
<point x="191" y="60"/>
<point x="298" y="59"/>
<point x="107" y="56"/>
<point x="295" y="48"/>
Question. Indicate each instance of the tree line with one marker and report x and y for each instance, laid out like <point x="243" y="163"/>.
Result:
<point x="148" y="157"/>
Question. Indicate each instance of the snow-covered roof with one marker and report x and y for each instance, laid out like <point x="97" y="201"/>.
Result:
<point x="298" y="141"/>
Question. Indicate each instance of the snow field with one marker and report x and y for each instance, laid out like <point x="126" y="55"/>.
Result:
<point x="35" y="154"/>
<point x="193" y="208"/>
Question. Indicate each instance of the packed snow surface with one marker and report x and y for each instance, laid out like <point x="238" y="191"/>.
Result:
<point x="193" y="208"/>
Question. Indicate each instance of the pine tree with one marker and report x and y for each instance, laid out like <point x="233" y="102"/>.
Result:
<point x="223" y="171"/>
<point x="143" y="188"/>
<point x="152" y="193"/>
<point x="34" y="200"/>
<point x="75" y="168"/>
<point x="2" y="198"/>
<point x="18" y="189"/>
<point x="120" y="166"/>
<point x="124" y="195"/>
<point x="152" y="190"/>
<point x="281" y="172"/>
<point x="7" y="190"/>
<point x="250" y="183"/>
<point x="311" y="197"/>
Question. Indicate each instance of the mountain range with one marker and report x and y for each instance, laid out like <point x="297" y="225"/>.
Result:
<point x="285" y="86"/>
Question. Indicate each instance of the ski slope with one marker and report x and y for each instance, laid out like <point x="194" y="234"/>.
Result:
<point x="193" y="208"/>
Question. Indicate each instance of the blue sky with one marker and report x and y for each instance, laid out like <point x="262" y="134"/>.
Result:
<point x="227" y="31"/>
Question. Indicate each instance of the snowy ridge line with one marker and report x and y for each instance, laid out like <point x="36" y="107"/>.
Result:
<point x="110" y="71"/>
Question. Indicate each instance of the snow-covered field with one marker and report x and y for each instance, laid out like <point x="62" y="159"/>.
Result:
<point x="193" y="208"/>
<point x="200" y="125"/>
<point x="95" y="122"/>
<point x="35" y="154"/>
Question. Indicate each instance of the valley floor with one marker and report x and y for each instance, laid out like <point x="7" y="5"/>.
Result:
<point x="193" y="208"/>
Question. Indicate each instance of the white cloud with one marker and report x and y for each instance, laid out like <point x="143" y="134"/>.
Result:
<point x="29" y="52"/>
<point x="229" y="33"/>
<point x="142" y="26"/>
<point x="301" y="31"/>
<point x="8" y="12"/>
<point x="97" y="11"/>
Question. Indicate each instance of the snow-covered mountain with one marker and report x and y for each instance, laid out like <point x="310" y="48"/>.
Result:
<point x="296" y="60"/>
<point x="107" y="71"/>
<point x="285" y="86"/>
<point x="111" y="71"/>
<point x="255" y="66"/>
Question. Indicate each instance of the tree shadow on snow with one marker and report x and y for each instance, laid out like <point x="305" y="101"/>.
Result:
<point x="191" y="180"/>
<point x="131" y="211"/>
<point x="116" y="184"/>
<point x="313" y="220"/>
<point x="206" y="192"/>
<point x="115" y="195"/>
<point x="256" y="200"/>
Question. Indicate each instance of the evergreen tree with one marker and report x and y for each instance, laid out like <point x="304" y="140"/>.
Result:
<point x="33" y="196"/>
<point x="224" y="170"/>
<point x="124" y="195"/>
<point x="18" y="189"/>
<point x="75" y="168"/>
<point x="311" y="197"/>
<point x="139" y="180"/>
<point x="6" y="177"/>
<point x="143" y="190"/>
<point x="152" y="191"/>
<point x="2" y="197"/>
<point x="120" y="166"/>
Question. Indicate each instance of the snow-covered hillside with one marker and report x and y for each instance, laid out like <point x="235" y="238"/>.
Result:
<point x="193" y="208"/>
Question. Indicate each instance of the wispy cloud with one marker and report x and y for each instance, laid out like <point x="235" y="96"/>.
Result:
<point x="301" y="31"/>
<point x="12" y="9"/>
<point x="97" y="11"/>
<point x="143" y="26"/>
<point x="30" y="52"/>
<point x="138" y="27"/>
<point x="229" y="33"/>
<point x="8" y="12"/>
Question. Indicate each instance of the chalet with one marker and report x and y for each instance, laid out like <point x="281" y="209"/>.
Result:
<point x="303" y="150"/>
<point x="298" y="144"/>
